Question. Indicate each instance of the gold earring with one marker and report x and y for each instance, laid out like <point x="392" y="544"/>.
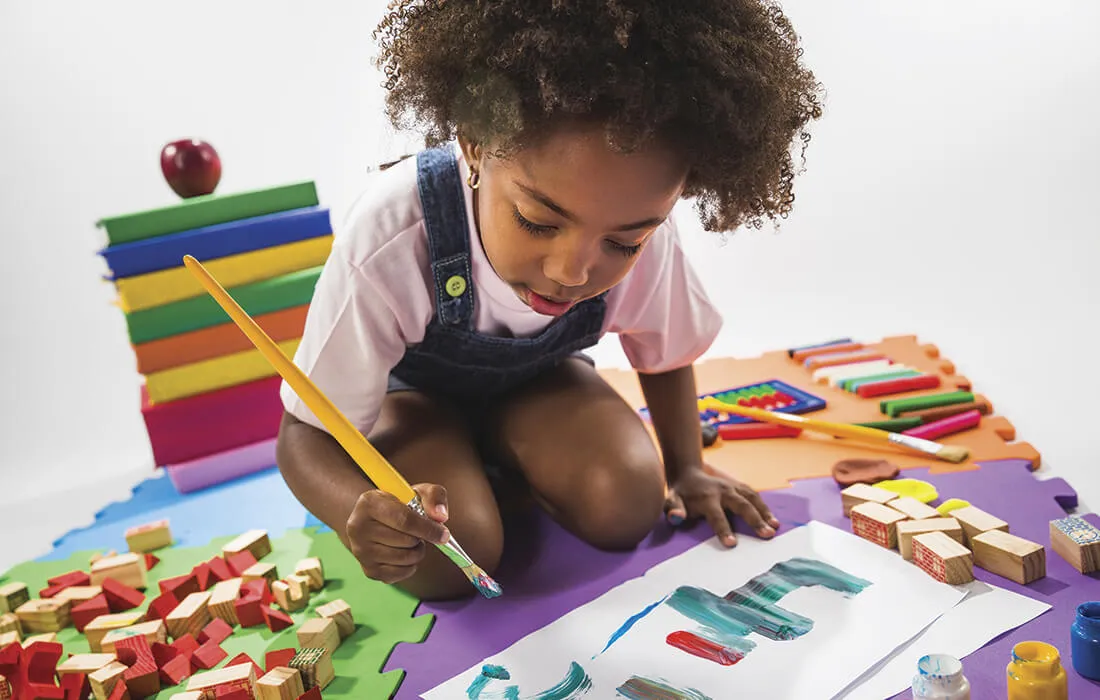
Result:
<point x="473" y="179"/>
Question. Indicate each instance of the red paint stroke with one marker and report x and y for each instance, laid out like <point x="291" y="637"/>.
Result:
<point x="704" y="648"/>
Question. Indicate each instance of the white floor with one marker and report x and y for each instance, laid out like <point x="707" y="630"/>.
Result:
<point x="960" y="140"/>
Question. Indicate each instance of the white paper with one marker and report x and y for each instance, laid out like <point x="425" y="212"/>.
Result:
<point x="849" y="635"/>
<point x="985" y="613"/>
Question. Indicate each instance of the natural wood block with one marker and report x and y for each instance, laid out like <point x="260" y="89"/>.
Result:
<point x="908" y="528"/>
<point x="5" y="688"/>
<point x="126" y="568"/>
<point x="280" y="683"/>
<point x="289" y="598"/>
<point x="9" y="622"/>
<point x="312" y="569"/>
<point x="223" y="599"/>
<point x="943" y="558"/>
<point x="236" y="673"/>
<point x="877" y="523"/>
<point x="1077" y="541"/>
<point x="914" y="508"/>
<point x="319" y="632"/>
<point x="45" y="637"/>
<point x="863" y="493"/>
<point x="975" y="521"/>
<point x="340" y="613"/>
<point x="1010" y="556"/>
<point x="299" y="585"/>
<point x="12" y="595"/>
<point x="79" y="594"/>
<point x="255" y="541"/>
<point x="149" y="537"/>
<point x="315" y="665"/>
<point x="153" y="631"/>
<point x="98" y="628"/>
<point x="103" y="681"/>
<point x="189" y="695"/>
<point x="264" y="570"/>
<point x="84" y="663"/>
<point x="44" y="615"/>
<point x="190" y="616"/>
<point x="10" y="637"/>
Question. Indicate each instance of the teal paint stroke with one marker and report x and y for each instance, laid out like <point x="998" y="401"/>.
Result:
<point x="638" y="688"/>
<point x="575" y="684"/>
<point x="630" y="622"/>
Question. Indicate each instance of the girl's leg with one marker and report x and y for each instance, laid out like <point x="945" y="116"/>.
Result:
<point x="585" y="453"/>
<point x="428" y="441"/>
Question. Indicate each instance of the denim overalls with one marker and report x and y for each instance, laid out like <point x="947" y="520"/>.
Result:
<point x="454" y="360"/>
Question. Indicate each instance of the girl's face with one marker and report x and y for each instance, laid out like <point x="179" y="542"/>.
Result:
<point x="565" y="220"/>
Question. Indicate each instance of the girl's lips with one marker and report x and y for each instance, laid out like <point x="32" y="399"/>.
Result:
<point x="545" y="306"/>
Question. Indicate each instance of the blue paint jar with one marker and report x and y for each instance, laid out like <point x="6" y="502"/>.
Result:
<point x="1085" y="640"/>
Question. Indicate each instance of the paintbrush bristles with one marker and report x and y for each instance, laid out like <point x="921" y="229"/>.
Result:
<point x="953" y="453"/>
<point x="482" y="581"/>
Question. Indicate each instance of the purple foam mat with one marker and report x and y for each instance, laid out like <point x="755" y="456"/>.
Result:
<point x="547" y="572"/>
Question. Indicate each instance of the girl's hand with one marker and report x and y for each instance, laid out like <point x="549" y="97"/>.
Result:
<point x="387" y="537"/>
<point x="708" y="493"/>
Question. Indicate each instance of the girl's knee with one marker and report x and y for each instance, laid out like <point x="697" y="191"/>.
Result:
<point x="619" y="504"/>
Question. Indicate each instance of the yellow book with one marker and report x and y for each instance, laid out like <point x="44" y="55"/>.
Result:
<point x="177" y="283"/>
<point x="210" y="375"/>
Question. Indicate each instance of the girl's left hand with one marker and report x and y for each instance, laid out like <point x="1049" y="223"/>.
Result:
<point x="708" y="493"/>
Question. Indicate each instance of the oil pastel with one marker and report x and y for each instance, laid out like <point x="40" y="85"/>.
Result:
<point x="639" y="688"/>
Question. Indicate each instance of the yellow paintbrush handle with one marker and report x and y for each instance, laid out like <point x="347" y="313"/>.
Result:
<point x="373" y="464"/>
<point x="858" y="432"/>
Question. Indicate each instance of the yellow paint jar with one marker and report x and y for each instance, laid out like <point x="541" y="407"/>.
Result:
<point x="1036" y="673"/>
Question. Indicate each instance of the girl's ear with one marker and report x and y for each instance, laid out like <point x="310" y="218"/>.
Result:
<point x="471" y="150"/>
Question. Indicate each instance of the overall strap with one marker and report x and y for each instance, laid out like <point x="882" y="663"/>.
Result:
<point x="444" y="205"/>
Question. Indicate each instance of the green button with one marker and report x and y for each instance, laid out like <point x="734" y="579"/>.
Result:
<point x="456" y="285"/>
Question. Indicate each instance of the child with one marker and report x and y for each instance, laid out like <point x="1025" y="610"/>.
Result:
<point x="450" y="319"/>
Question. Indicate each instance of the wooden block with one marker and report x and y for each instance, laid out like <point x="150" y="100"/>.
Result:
<point x="908" y="528"/>
<point x="1010" y="556"/>
<point x="125" y="568"/>
<point x="312" y="569"/>
<point x="975" y="521"/>
<point x="44" y="615"/>
<point x="255" y="541"/>
<point x="876" y="523"/>
<point x="149" y="537"/>
<point x="319" y="632"/>
<point x="280" y="683"/>
<point x="5" y="688"/>
<point x="12" y="595"/>
<point x="223" y="598"/>
<point x="98" y="628"/>
<point x="45" y="638"/>
<point x="943" y="558"/>
<point x="190" y="616"/>
<point x="103" y="680"/>
<point x="153" y="631"/>
<point x="79" y="594"/>
<point x="230" y="674"/>
<point x="863" y="493"/>
<point x="914" y="508"/>
<point x="1077" y="541"/>
<point x="188" y="695"/>
<point x="340" y="613"/>
<point x="84" y="663"/>
<point x="290" y="598"/>
<point x="10" y="637"/>
<point x="263" y="570"/>
<point x="315" y="665"/>
<point x="9" y="622"/>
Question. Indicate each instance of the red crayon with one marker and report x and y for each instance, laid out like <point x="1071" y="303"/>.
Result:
<point x="898" y="386"/>
<point x="753" y="431"/>
<point x="947" y="426"/>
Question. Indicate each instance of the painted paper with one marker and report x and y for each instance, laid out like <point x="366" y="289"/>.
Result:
<point x="802" y="616"/>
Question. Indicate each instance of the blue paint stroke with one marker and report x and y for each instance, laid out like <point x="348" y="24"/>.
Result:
<point x="630" y="622"/>
<point x="576" y="684"/>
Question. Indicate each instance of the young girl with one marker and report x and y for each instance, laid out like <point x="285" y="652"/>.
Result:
<point x="450" y="319"/>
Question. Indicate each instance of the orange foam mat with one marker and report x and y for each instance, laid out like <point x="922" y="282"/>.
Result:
<point x="767" y="464"/>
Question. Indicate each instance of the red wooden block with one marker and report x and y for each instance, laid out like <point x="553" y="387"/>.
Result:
<point x="217" y="630"/>
<point x="76" y="686"/>
<point x="313" y="693"/>
<point x="89" y="610"/>
<point x="240" y="562"/>
<point x="276" y="620"/>
<point x="176" y="670"/>
<point x="244" y="658"/>
<point x="43" y="691"/>
<point x="219" y="569"/>
<point x="161" y="607"/>
<point x="278" y="657"/>
<point x="39" y="661"/>
<point x="151" y="560"/>
<point x="249" y="612"/>
<point x="119" y="692"/>
<point x="181" y="586"/>
<point x="163" y="653"/>
<point x="235" y="691"/>
<point x="202" y="575"/>
<point x="121" y="597"/>
<point x="186" y="645"/>
<point x="60" y="583"/>
<point x="142" y="678"/>
<point x="208" y="656"/>
<point x="259" y="587"/>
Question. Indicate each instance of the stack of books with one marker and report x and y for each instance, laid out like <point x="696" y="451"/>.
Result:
<point x="209" y="399"/>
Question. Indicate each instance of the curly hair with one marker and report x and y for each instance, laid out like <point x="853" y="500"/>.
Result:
<point x="721" y="81"/>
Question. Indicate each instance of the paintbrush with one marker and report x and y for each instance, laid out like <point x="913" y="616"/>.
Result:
<point x="948" y="453"/>
<point x="373" y="464"/>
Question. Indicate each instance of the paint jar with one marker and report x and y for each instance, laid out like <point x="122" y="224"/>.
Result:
<point x="1085" y="640"/>
<point x="1035" y="673"/>
<point x="940" y="677"/>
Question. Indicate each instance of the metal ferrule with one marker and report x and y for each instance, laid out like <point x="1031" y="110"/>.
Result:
<point x="451" y="548"/>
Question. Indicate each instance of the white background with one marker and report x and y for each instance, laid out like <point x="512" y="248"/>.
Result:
<point x="960" y="138"/>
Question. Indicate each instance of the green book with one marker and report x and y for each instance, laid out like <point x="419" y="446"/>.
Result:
<point x="265" y="296"/>
<point x="207" y="210"/>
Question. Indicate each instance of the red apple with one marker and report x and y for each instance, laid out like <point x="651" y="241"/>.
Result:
<point x="191" y="167"/>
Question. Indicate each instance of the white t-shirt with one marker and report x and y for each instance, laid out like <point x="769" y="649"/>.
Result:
<point x="375" y="297"/>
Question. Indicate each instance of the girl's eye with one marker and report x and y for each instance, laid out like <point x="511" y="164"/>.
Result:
<point x="627" y="250"/>
<point x="530" y="226"/>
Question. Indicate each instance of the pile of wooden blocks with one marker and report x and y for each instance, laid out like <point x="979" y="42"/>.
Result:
<point x="177" y="637"/>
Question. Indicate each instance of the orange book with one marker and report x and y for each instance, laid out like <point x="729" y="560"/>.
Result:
<point x="216" y="341"/>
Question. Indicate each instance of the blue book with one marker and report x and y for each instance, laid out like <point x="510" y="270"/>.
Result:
<point x="217" y="241"/>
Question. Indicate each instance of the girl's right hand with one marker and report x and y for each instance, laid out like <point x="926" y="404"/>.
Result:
<point x="388" y="538"/>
